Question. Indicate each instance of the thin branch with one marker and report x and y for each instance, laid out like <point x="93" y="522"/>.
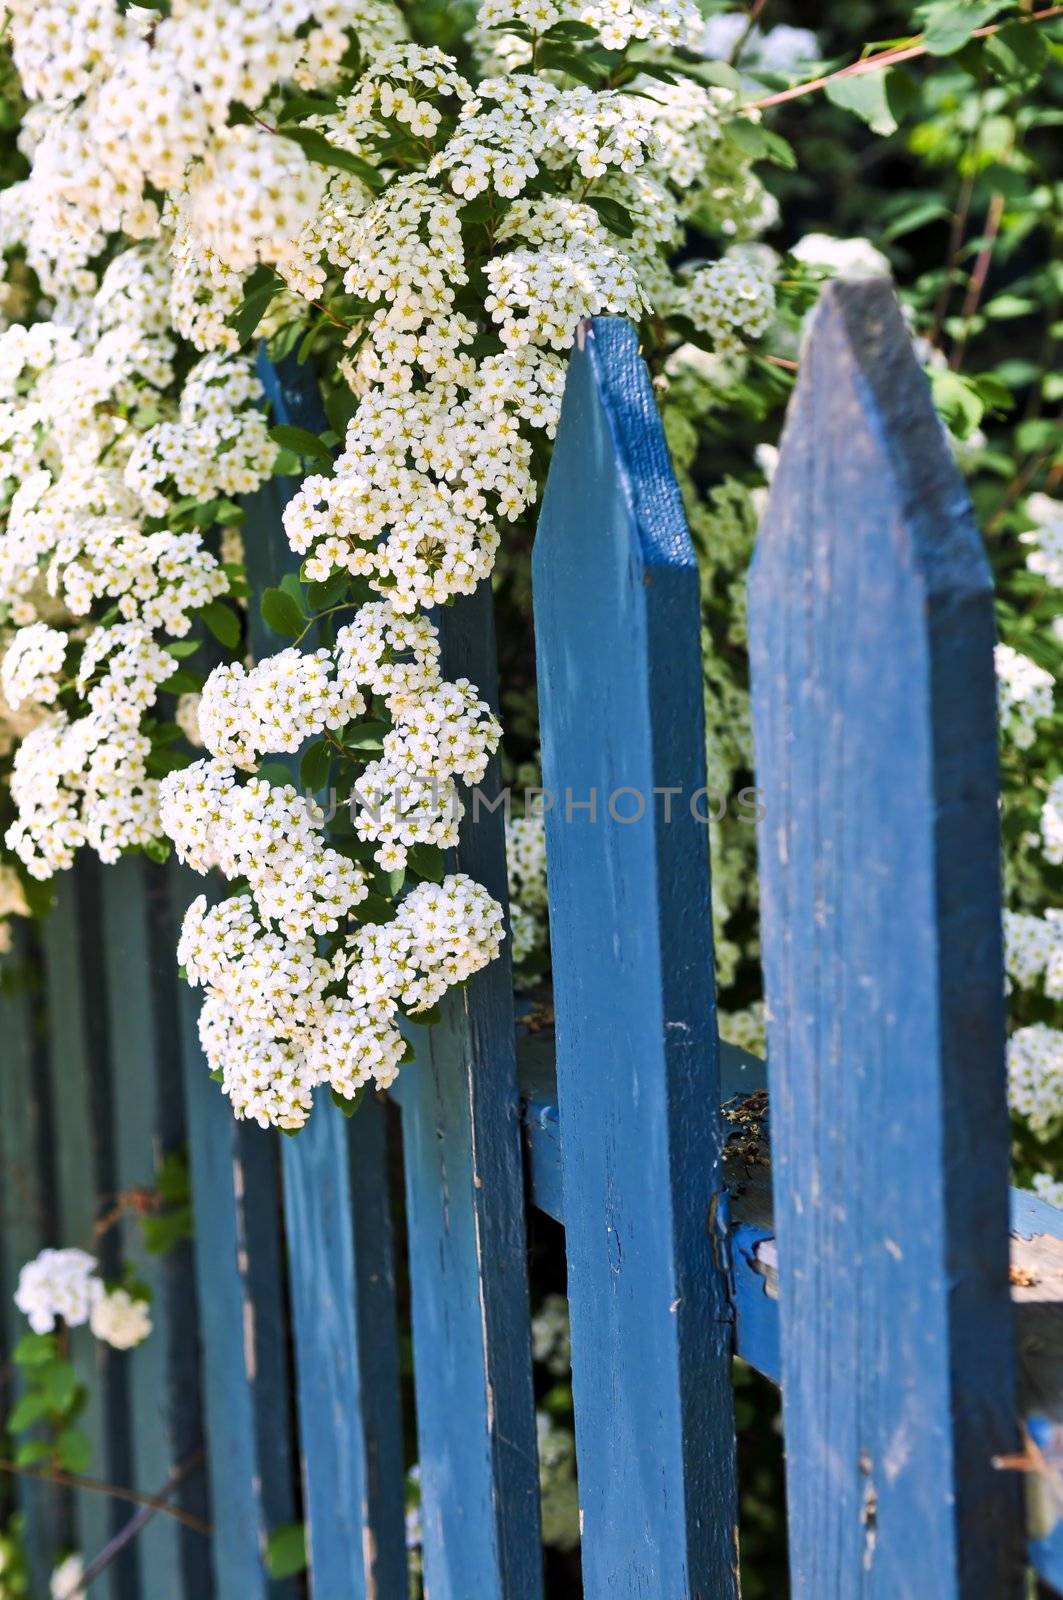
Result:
<point x="125" y="1535"/>
<point x="77" y="1480"/>
<point x="977" y="281"/>
<point x="747" y="32"/>
<point x="956" y="236"/>
<point x="885" y="58"/>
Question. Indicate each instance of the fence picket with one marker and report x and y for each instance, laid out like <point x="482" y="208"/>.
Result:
<point x="616" y="615"/>
<point x="239" y="1282"/>
<point x="27" y="1221"/>
<point x="338" y="1228"/>
<point x="77" y="1065"/>
<point x="465" y="1210"/>
<point x="160" y="1376"/>
<point x="871" y="628"/>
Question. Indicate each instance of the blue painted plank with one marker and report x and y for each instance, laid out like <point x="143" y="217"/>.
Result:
<point x="77" y="1057"/>
<point x="871" y="636"/>
<point x="239" y="1282"/>
<point x="465" y="1215"/>
<point x="27" y="1222"/>
<point x="617" y="635"/>
<point x="176" y="1305"/>
<point x="154" y="1558"/>
<point x="337" y="1211"/>
<point x="338" y="1229"/>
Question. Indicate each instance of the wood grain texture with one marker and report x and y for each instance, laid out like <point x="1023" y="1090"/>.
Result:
<point x="871" y="635"/>
<point x="27" y="1212"/>
<point x="616" y="620"/>
<point x="77" y="1050"/>
<point x="340" y="1261"/>
<point x="129" y="999"/>
<point x="465" y="1213"/>
<point x="239" y="1282"/>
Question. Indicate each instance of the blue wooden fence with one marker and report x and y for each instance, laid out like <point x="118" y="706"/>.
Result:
<point x="864" y="1265"/>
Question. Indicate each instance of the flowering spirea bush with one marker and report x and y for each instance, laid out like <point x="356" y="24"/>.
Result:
<point x="438" y="229"/>
<point x="430" y="226"/>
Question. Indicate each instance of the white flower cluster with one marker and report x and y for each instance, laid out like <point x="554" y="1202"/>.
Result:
<point x="120" y="1320"/>
<point x="32" y="665"/>
<point x="133" y="103"/>
<point x="219" y="445"/>
<point x="279" y="1020"/>
<point x="617" y="22"/>
<point x="1052" y="823"/>
<point x="84" y="481"/>
<point x="733" y="300"/>
<point x="64" y="1284"/>
<point x="1035" y="1075"/>
<point x="518" y="208"/>
<point x="1049" y="1189"/>
<point x="1024" y="695"/>
<point x="526" y="865"/>
<point x="1045" y="539"/>
<point x="1033" y="949"/>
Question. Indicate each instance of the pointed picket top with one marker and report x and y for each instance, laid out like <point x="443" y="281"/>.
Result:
<point x="871" y="642"/>
<point x="620" y="695"/>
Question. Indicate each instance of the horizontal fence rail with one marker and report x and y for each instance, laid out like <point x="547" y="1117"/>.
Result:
<point x="838" y="1217"/>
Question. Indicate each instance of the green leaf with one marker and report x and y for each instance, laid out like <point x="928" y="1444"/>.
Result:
<point x="409" y="1053"/>
<point x="577" y="32"/>
<point x="958" y="404"/>
<point x="348" y="1107"/>
<point x="34" y="1349"/>
<point x="31" y="1408"/>
<point x="181" y="649"/>
<point x="302" y="443"/>
<point x="74" y="1450"/>
<point x="33" y="1453"/>
<point x="617" y="218"/>
<point x="280" y="612"/>
<point x="287" y="465"/>
<point x="322" y="596"/>
<point x="366" y="735"/>
<point x="865" y="96"/>
<point x="259" y="290"/>
<point x="950" y="23"/>
<point x="276" y="773"/>
<point x="556" y="58"/>
<point x="340" y="408"/>
<point x="919" y="215"/>
<point x="759" y="142"/>
<point x="182" y="682"/>
<point x="160" y="850"/>
<point x="317" y="148"/>
<point x="375" y="909"/>
<point x="59" y="1383"/>
<point x="1017" y="54"/>
<point x="223" y="622"/>
<point x="315" y="766"/>
<point x="165" y="1231"/>
<point x="426" y="860"/>
<point x="286" y="1550"/>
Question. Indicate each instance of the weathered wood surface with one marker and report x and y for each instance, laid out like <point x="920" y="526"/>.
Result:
<point x="465" y="1214"/>
<point x="616" y="619"/>
<point x="79" y="1093"/>
<point x="160" y="1378"/>
<point x="239" y="1281"/>
<point x="27" y="1209"/>
<point x="340" y="1263"/>
<point x="871" y="639"/>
